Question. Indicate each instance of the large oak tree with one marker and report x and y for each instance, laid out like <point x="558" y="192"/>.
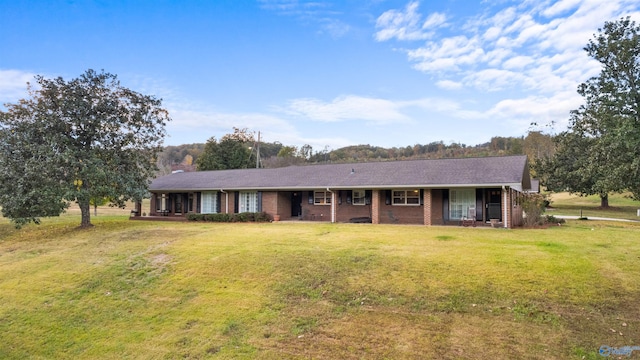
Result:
<point x="77" y="140"/>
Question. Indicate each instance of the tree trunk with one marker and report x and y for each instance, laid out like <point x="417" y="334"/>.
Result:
<point x="604" y="201"/>
<point x="85" y="211"/>
<point x="95" y="210"/>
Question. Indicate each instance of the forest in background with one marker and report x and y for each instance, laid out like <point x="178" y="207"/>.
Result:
<point x="535" y="145"/>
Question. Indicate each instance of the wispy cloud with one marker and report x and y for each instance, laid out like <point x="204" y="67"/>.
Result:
<point x="407" y="24"/>
<point x="13" y="85"/>
<point x="530" y="47"/>
<point x="518" y="38"/>
<point x="320" y="13"/>
<point x="348" y="108"/>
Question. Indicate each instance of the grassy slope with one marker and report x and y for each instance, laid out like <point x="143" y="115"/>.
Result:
<point x="152" y="290"/>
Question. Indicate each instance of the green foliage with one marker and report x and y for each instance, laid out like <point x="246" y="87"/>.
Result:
<point x="173" y="155"/>
<point x="77" y="140"/>
<point x="288" y="151"/>
<point x="231" y="152"/>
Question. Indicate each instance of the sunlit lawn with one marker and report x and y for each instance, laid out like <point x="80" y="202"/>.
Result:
<point x="621" y="206"/>
<point x="148" y="290"/>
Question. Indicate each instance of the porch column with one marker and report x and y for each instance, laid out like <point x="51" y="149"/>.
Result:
<point x="334" y="203"/>
<point x="375" y="206"/>
<point x="506" y="218"/>
<point x="427" y="206"/>
<point x="152" y="204"/>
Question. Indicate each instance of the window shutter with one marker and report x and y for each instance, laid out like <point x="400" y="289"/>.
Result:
<point x="199" y="202"/>
<point x="236" y="202"/>
<point x="367" y="197"/>
<point x="259" y="201"/>
<point x="218" y="198"/>
<point x="311" y="197"/>
<point x="387" y="199"/>
<point x="421" y="196"/>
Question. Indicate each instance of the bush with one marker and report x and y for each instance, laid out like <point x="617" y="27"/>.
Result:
<point x="222" y="217"/>
<point x="550" y="219"/>
<point x="534" y="206"/>
<point x="195" y="217"/>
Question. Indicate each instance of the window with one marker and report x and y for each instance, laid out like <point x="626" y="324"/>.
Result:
<point x="322" y="198"/>
<point x="209" y="202"/>
<point x="248" y="202"/>
<point x="406" y="197"/>
<point x="460" y="200"/>
<point x="359" y="197"/>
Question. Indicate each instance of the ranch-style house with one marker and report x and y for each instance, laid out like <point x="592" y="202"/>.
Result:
<point x="480" y="191"/>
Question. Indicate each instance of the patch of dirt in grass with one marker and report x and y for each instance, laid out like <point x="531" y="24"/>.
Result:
<point x="474" y="337"/>
<point x="369" y="334"/>
<point x="379" y="334"/>
<point x="160" y="260"/>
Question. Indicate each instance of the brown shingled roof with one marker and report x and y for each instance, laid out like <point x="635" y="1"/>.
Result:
<point x="472" y="172"/>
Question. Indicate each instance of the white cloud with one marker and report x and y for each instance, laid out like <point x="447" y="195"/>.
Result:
<point x="434" y="20"/>
<point x="405" y="25"/>
<point x="13" y="85"/>
<point x="529" y="56"/>
<point x="561" y="7"/>
<point x="335" y="28"/>
<point x="449" y="85"/>
<point x="320" y="13"/>
<point x="448" y="54"/>
<point x="347" y="108"/>
<point x="522" y="112"/>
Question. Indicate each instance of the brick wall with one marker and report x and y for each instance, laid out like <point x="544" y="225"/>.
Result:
<point x="270" y="202"/>
<point x="396" y="214"/>
<point x="437" y="215"/>
<point x="348" y="211"/>
<point x="314" y="212"/>
<point x="375" y="207"/>
<point x="427" y="207"/>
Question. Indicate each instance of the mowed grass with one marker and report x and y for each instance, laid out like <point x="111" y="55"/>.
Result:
<point x="621" y="206"/>
<point x="154" y="290"/>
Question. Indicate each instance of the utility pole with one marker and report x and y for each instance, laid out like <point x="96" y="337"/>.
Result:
<point x="258" y="152"/>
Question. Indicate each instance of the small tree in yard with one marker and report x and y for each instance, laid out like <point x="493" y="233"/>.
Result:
<point x="78" y="140"/>
<point x="533" y="206"/>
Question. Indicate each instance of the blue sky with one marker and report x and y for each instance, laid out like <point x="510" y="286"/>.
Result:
<point x="322" y="72"/>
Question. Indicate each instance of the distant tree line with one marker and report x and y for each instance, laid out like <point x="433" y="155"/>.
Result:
<point x="239" y="150"/>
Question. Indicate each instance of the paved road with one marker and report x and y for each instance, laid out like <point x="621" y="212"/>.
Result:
<point x="593" y="218"/>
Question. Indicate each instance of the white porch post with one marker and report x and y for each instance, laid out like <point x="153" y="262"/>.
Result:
<point x="334" y="200"/>
<point x="505" y="203"/>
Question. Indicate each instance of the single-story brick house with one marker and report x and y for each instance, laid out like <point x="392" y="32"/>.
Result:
<point x="429" y="192"/>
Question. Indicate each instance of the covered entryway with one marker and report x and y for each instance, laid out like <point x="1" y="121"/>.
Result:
<point x="493" y="204"/>
<point x="296" y="204"/>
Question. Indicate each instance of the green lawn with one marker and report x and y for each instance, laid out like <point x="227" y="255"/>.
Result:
<point x="150" y="290"/>
<point x="621" y="206"/>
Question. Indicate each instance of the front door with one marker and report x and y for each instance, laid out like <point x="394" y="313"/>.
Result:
<point x="296" y="204"/>
<point x="494" y="207"/>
